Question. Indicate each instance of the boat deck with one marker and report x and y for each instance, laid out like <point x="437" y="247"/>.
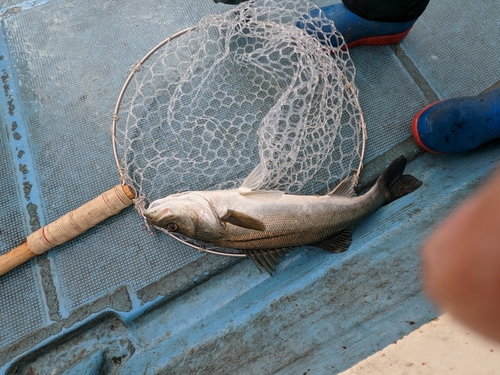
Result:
<point x="119" y="300"/>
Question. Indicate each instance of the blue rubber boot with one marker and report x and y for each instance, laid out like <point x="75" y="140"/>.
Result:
<point x="459" y="124"/>
<point x="357" y="31"/>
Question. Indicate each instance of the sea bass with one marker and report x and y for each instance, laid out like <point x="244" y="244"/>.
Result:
<point x="263" y="223"/>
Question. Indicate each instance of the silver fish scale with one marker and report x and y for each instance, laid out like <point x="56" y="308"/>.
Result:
<point x="291" y="220"/>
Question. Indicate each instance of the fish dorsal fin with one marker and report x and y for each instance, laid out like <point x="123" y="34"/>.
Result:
<point x="250" y="187"/>
<point x="338" y="243"/>
<point x="346" y="187"/>
<point x="272" y="195"/>
<point x="266" y="260"/>
<point x="254" y="179"/>
<point x="243" y="220"/>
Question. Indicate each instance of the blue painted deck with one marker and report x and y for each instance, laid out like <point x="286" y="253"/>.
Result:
<point x="118" y="300"/>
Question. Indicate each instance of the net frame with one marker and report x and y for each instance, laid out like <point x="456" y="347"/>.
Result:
<point x="139" y="201"/>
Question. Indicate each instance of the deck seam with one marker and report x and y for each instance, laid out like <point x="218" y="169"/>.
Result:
<point x="11" y="108"/>
<point x="419" y="79"/>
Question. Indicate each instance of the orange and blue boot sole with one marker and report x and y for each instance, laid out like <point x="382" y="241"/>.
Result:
<point x="459" y="124"/>
<point x="357" y="31"/>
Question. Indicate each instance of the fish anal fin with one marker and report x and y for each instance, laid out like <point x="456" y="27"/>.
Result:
<point x="346" y="187"/>
<point x="266" y="260"/>
<point x="338" y="243"/>
<point x="243" y="220"/>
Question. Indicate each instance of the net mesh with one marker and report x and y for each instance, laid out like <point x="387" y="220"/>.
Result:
<point x="268" y="83"/>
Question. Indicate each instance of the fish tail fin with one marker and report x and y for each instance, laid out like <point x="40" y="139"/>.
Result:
<point x="397" y="184"/>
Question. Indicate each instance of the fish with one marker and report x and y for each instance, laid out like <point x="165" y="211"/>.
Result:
<point x="265" y="224"/>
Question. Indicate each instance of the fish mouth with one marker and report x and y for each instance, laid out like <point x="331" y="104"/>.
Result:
<point x="157" y="213"/>
<point x="154" y="207"/>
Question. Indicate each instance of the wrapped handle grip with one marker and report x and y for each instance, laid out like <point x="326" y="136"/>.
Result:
<point x="69" y="226"/>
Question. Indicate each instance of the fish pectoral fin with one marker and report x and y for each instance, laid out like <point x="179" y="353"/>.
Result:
<point x="266" y="260"/>
<point x="346" y="187"/>
<point x="338" y="243"/>
<point x="243" y="220"/>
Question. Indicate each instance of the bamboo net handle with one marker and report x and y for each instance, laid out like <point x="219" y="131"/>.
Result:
<point x="69" y="226"/>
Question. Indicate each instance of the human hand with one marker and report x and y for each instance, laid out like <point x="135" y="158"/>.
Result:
<point x="461" y="261"/>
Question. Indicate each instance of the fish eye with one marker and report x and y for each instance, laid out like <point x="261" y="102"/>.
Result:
<point x="172" y="227"/>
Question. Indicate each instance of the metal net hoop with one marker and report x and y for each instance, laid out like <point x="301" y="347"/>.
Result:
<point x="244" y="89"/>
